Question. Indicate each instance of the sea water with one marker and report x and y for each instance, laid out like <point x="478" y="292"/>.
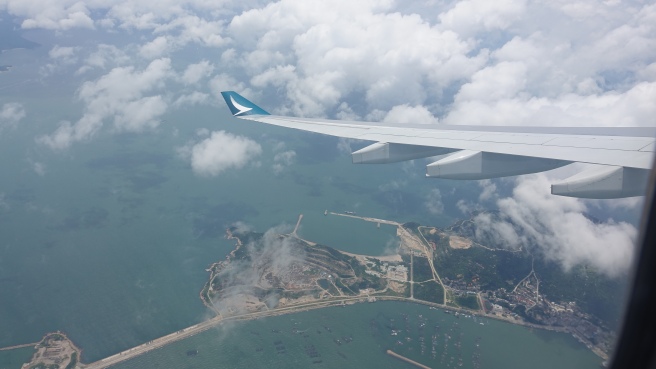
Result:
<point x="358" y="336"/>
<point x="110" y="244"/>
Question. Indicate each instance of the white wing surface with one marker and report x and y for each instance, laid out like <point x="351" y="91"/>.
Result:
<point x="480" y="152"/>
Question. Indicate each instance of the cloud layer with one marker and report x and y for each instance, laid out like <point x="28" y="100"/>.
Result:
<point x="517" y="62"/>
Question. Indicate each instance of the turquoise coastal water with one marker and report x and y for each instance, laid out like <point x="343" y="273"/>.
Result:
<point x="111" y="243"/>
<point x="357" y="336"/>
<point x="352" y="235"/>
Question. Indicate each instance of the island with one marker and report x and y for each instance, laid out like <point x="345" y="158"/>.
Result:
<point x="446" y="268"/>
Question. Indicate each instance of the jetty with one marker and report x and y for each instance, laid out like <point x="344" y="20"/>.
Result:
<point x="409" y="361"/>
<point x="19" y="346"/>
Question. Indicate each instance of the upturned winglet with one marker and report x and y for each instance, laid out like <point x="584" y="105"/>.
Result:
<point x="241" y="106"/>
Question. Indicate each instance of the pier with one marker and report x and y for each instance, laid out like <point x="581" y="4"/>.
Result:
<point x="202" y="327"/>
<point x="366" y="219"/>
<point x="409" y="361"/>
<point x="298" y="224"/>
<point x="19" y="346"/>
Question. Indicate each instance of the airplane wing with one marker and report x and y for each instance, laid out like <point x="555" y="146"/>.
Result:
<point x="482" y="152"/>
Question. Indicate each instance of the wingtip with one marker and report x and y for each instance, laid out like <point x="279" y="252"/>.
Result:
<point x="241" y="106"/>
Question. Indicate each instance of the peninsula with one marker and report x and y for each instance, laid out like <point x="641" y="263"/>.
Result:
<point x="445" y="268"/>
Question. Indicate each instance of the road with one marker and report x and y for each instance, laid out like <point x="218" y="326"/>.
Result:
<point x="298" y="223"/>
<point x="201" y="327"/>
<point x="412" y="278"/>
<point x="367" y="219"/>
<point x="19" y="346"/>
<point x="429" y="256"/>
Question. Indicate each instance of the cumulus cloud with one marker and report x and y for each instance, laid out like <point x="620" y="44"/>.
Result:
<point x="63" y="52"/>
<point x="343" y="48"/>
<point x="154" y="48"/>
<point x="410" y="114"/>
<point x="473" y="16"/>
<point x="488" y="190"/>
<point x="635" y="107"/>
<point x="557" y="228"/>
<point x="195" y="72"/>
<point x="464" y="62"/>
<point x="282" y="160"/>
<point x="10" y="115"/>
<point x="103" y="57"/>
<point x="61" y="57"/>
<point x="117" y="96"/>
<point x="433" y="202"/>
<point x="220" y="152"/>
<point x="194" y="98"/>
<point x="38" y="167"/>
<point x="52" y="15"/>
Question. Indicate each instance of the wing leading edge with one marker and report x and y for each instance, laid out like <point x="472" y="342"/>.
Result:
<point x="481" y="152"/>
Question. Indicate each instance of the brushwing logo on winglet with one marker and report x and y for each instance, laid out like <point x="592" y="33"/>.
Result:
<point x="242" y="109"/>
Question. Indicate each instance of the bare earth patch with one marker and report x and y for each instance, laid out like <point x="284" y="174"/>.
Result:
<point x="456" y="242"/>
<point x="362" y="258"/>
<point x="397" y="287"/>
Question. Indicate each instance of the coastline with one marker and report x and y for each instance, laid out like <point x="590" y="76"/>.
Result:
<point x="308" y="302"/>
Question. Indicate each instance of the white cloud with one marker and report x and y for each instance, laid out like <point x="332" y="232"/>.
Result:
<point x="282" y="160"/>
<point x="220" y="152"/>
<point x="140" y="114"/>
<point x="224" y="82"/>
<point x="63" y="52"/>
<point x="10" y="115"/>
<point x="410" y="114"/>
<point x="433" y="202"/>
<point x="320" y="53"/>
<point x="488" y="190"/>
<point x="39" y="168"/>
<point x="194" y="98"/>
<point x="155" y="48"/>
<point x="558" y="229"/>
<point x="393" y="185"/>
<point x="52" y="15"/>
<point x="635" y="107"/>
<point x="104" y="56"/>
<point x="62" y="57"/>
<point x="193" y="28"/>
<point x="195" y="72"/>
<point x="511" y="62"/>
<point x="344" y="145"/>
<point x="118" y="95"/>
<point x="3" y="202"/>
<point x="472" y="16"/>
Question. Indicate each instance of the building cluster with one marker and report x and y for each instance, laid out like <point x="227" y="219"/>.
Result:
<point x="524" y="303"/>
<point x="460" y="286"/>
<point x="386" y="270"/>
